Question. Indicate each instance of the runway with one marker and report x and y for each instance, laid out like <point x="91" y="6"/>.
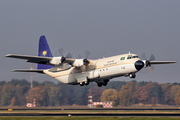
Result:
<point x="103" y="109"/>
<point x="92" y="114"/>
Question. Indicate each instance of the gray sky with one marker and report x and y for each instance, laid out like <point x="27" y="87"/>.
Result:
<point x="103" y="27"/>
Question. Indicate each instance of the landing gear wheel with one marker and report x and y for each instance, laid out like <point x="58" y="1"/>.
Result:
<point x="99" y="84"/>
<point x="87" y="83"/>
<point x="82" y="84"/>
<point x="105" y="83"/>
<point x="132" y="75"/>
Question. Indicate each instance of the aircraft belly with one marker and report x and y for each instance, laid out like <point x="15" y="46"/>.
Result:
<point x="68" y="79"/>
<point x="117" y="71"/>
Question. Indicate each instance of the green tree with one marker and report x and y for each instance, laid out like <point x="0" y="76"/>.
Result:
<point x="127" y="94"/>
<point x="110" y="95"/>
<point x="8" y="91"/>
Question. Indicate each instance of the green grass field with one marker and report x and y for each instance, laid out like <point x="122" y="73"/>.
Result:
<point x="87" y="118"/>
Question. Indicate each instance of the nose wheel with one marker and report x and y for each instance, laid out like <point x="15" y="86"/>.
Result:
<point x="132" y="75"/>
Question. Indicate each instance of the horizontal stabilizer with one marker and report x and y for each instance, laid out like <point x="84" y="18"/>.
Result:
<point x="28" y="70"/>
<point x="162" y="62"/>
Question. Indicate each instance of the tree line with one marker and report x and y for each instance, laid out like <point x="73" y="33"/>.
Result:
<point x="18" y="93"/>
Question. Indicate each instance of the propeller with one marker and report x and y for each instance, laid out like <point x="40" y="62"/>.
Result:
<point x="86" y="55"/>
<point x="148" y="62"/>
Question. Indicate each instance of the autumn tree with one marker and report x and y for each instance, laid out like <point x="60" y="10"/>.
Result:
<point x="13" y="101"/>
<point x="51" y="94"/>
<point x="142" y="93"/>
<point x="127" y="94"/>
<point x="174" y="89"/>
<point x="96" y="93"/>
<point x="177" y="97"/>
<point x="110" y="95"/>
<point x="36" y="93"/>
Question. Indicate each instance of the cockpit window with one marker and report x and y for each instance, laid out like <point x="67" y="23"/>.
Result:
<point x="131" y="57"/>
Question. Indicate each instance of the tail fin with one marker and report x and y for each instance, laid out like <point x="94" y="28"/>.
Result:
<point x="44" y="51"/>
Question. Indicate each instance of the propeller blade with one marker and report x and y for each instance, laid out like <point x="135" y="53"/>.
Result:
<point x="79" y="56"/>
<point x="144" y="56"/>
<point x="151" y="68"/>
<point x="151" y="57"/>
<point x="60" y="50"/>
<point x="68" y="55"/>
<point x="87" y="53"/>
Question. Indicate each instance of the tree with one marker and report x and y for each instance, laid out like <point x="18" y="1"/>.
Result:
<point x="177" y="97"/>
<point x="8" y="91"/>
<point x="36" y="93"/>
<point x="110" y="95"/>
<point x="174" y="89"/>
<point x="115" y="85"/>
<point x="127" y="94"/>
<point x="96" y="93"/>
<point x="13" y="101"/>
<point x="142" y="93"/>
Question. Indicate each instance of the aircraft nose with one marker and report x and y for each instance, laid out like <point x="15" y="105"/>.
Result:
<point x="139" y="65"/>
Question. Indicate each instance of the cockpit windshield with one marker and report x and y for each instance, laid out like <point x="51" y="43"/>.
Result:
<point x="132" y="57"/>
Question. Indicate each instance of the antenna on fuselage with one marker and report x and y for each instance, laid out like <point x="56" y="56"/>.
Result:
<point x="129" y="52"/>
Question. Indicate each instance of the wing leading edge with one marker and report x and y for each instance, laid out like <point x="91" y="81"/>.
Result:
<point x="37" y="59"/>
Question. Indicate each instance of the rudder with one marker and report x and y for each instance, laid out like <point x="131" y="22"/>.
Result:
<point x="44" y="51"/>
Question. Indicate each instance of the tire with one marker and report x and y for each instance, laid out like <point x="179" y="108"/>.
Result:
<point x="99" y="84"/>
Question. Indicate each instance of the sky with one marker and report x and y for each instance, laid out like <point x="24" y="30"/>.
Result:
<point x="103" y="27"/>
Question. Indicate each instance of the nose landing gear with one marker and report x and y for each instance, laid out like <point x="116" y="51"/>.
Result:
<point x="132" y="75"/>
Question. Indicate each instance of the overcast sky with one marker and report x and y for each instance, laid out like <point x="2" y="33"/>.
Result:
<point x="103" y="27"/>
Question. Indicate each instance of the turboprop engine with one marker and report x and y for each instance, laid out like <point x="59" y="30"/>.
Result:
<point x="57" y="60"/>
<point x="80" y="62"/>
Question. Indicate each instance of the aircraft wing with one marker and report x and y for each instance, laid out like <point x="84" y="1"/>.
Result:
<point x="37" y="59"/>
<point x="162" y="62"/>
<point x="28" y="70"/>
<point x="32" y="59"/>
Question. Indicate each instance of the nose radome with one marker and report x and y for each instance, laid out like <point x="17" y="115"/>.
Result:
<point x="139" y="65"/>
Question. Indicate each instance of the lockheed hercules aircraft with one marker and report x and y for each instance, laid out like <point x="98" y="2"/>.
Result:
<point x="83" y="71"/>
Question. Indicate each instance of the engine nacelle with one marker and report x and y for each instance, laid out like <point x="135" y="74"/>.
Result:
<point x="57" y="60"/>
<point x="78" y="63"/>
<point x="146" y="63"/>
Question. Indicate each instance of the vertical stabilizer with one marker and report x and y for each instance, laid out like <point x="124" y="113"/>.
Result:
<point x="44" y="51"/>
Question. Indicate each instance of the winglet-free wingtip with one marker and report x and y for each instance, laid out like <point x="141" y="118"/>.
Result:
<point x="8" y="55"/>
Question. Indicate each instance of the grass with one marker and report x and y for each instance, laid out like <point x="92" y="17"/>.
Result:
<point x="87" y="118"/>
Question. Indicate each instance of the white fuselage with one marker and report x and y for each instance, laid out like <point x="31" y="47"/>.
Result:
<point x="101" y="69"/>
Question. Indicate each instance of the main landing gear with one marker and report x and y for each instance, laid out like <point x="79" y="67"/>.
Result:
<point x="132" y="75"/>
<point x="84" y="83"/>
<point x="103" y="83"/>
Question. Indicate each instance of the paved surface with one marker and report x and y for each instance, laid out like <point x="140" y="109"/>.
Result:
<point x="93" y="114"/>
<point x="156" y="109"/>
